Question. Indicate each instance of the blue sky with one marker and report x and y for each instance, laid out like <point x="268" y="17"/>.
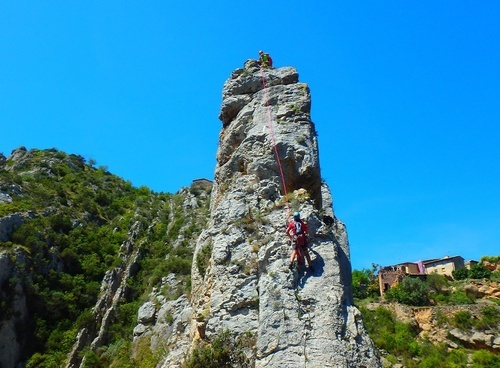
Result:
<point x="405" y="98"/>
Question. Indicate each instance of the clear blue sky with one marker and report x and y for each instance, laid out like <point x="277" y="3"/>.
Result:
<point x="405" y="97"/>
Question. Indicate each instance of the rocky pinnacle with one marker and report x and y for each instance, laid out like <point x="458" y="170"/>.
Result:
<point x="241" y="280"/>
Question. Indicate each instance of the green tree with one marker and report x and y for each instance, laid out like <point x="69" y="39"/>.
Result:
<point x="411" y="291"/>
<point x="360" y="280"/>
<point x="365" y="283"/>
<point x="478" y="271"/>
<point x="460" y="273"/>
<point x="438" y="288"/>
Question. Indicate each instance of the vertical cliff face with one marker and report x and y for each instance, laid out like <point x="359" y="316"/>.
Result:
<point x="12" y="288"/>
<point x="241" y="280"/>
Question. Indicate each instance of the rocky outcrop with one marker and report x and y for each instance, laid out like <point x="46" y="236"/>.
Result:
<point x="483" y="289"/>
<point x="267" y="167"/>
<point x="490" y="265"/>
<point x="244" y="286"/>
<point x="14" y="267"/>
<point x="477" y="339"/>
<point x="10" y="222"/>
<point x="73" y="208"/>
<point x="17" y="158"/>
<point x="166" y="323"/>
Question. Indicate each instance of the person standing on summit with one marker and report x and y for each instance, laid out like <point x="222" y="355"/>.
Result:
<point x="265" y="59"/>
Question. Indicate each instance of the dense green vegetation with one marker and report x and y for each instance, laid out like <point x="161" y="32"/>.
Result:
<point x="79" y="219"/>
<point x="365" y="283"/>
<point x="435" y="290"/>
<point x="477" y="271"/>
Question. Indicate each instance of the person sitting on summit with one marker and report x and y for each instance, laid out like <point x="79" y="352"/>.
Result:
<point x="265" y="60"/>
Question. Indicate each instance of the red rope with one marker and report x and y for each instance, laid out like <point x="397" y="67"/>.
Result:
<point x="276" y="154"/>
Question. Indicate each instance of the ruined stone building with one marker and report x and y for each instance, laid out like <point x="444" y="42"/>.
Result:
<point x="390" y="276"/>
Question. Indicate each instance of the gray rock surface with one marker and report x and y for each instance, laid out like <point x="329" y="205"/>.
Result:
<point x="477" y="339"/>
<point x="299" y="318"/>
<point x="13" y="265"/>
<point x="5" y="197"/>
<point x="146" y="313"/>
<point x="17" y="158"/>
<point x="8" y="224"/>
<point x="171" y="329"/>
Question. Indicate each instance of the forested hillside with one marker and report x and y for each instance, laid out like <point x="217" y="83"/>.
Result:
<point x="64" y="224"/>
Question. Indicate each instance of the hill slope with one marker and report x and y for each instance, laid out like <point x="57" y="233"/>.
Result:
<point x="78" y="248"/>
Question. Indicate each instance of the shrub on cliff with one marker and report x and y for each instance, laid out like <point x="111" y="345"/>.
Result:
<point x="224" y="351"/>
<point x="483" y="358"/>
<point x="387" y="333"/>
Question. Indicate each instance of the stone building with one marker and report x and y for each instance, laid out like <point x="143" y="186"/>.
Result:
<point x="390" y="276"/>
<point x="443" y="266"/>
<point x="468" y="264"/>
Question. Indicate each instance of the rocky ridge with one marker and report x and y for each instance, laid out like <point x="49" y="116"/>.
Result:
<point x="39" y="249"/>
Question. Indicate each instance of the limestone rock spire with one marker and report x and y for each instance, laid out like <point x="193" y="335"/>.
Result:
<point x="297" y="318"/>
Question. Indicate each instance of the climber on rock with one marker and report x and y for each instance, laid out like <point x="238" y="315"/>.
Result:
<point x="297" y="232"/>
<point x="265" y="60"/>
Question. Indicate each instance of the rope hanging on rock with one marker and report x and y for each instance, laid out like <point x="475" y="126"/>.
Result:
<point x="273" y="141"/>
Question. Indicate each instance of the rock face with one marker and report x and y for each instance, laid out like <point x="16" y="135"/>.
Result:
<point x="8" y="224"/>
<point x="12" y="268"/>
<point x="299" y="318"/>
